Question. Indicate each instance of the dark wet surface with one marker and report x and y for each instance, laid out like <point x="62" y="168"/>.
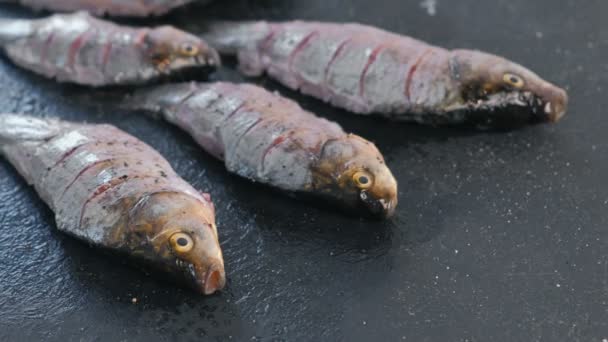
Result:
<point x="498" y="236"/>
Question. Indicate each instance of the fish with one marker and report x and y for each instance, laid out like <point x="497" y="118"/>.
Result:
<point x="78" y="48"/>
<point x="114" y="192"/>
<point x="367" y="70"/>
<point x="271" y="140"/>
<point x="129" y="8"/>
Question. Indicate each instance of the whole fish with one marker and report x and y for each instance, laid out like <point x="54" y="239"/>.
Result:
<point x="112" y="191"/>
<point x="269" y="139"/>
<point x="131" y="8"/>
<point x="78" y="48"/>
<point x="367" y="70"/>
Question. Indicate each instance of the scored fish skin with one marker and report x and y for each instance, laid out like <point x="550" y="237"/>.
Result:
<point x="130" y="8"/>
<point x="368" y="70"/>
<point x="270" y="139"/>
<point x="112" y="191"/>
<point x="81" y="49"/>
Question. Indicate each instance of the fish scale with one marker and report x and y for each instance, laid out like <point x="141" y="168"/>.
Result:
<point x="133" y="8"/>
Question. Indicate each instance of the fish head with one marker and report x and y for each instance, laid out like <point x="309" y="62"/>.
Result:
<point x="352" y="171"/>
<point x="170" y="50"/>
<point x="177" y="233"/>
<point x="493" y="90"/>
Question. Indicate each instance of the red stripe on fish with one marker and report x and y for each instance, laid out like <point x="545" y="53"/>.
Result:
<point x="301" y="46"/>
<point x="265" y="44"/>
<point x="238" y="109"/>
<point x="99" y="191"/>
<point x="247" y="131"/>
<point x="334" y="57"/>
<point x="45" y="48"/>
<point x="372" y="58"/>
<point x="68" y="154"/>
<point x="76" y="46"/>
<point x="85" y="169"/>
<point x="276" y="142"/>
<point x="106" y="52"/>
<point x="412" y="71"/>
<point x="140" y="37"/>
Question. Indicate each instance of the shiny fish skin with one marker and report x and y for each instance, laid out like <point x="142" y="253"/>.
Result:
<point x="112" y="191"/>
<point x="272" y="140"/>
<point x="80" y="49"/>
<point x="367" y="70"/>
<point x="131" y="8"/>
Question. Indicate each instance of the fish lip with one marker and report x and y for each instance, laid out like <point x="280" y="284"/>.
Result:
<point x="504" y="109"/>
<point x="556" y="104"/>
<point x="381" y="208"/>
<point x="205" y="281"/>
<point x="214" y="279"/>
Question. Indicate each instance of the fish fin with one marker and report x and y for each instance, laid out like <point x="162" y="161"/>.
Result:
<point x="12" y="29"/>
<point x="156" y="100"/>
<point x="15" y="128"/>
<point x="230" y="37"/>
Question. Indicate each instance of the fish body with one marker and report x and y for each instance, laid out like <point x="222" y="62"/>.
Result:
<point x="114" y="192"/>
<point x="271" y="140"/>
<point x="368" y="70"/>
<point x="78" y="48"/>
<point x="130" y="8"/>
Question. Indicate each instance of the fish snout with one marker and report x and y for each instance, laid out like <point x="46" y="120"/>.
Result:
<point x="209" y="57"/>
<point x="554" y="101"/>
<point x="379" y="207"/>
<point x="214" y="279"/>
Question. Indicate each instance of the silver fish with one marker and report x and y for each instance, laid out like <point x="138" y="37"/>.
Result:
<point x="367" y="70"/>
<point x="112" y="191"/>
<point x="271" y="140"/>
<point x="131" y="8"/>
<point x="80" y="49"/>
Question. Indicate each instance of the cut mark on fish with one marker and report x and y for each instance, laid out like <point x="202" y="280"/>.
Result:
<point x="68" y="154"/>
<point x="85" y="169"/>
<point x="265" y="44"/>
<point x="300" y="47"/>
<point x="76" y="45"/>
<point x="106" y="52"/>
<point x="334" y="57"/>
<point x="100" y="191"/>
<point x="234" y="112"/>
<point x="372" y="58"/>
<point x="412" y="71"/>
<point x="191" y="93"/>
<point x="45" y="48"/>
<point x="278" y="141"/>
<point x="249" y="129"/>
<point x="140" y="37"/>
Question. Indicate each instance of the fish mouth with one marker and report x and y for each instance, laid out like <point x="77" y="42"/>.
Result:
<point x="199" y="67"/>
<point x="380" y="208"/>
<point x="214" y="280"/>
<point x="207" y="280"/>
<point x="210" y="280"/>
<point x="507" y="109"/>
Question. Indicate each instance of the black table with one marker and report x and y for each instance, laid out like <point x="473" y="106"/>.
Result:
<point x="499" y="236"/>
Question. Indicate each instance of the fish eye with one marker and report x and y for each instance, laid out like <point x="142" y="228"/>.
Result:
<point x="188" y="49"/>
<point x="181" y="242"/>
<point x="513" y="80"/>
<point x="363" y="179"/>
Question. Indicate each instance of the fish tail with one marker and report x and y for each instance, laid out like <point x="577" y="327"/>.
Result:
<point x="12" y="29"/>
<point x="229" y="37"/>
<point x="155" y="100"/>
<point x="15" y="129"/>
